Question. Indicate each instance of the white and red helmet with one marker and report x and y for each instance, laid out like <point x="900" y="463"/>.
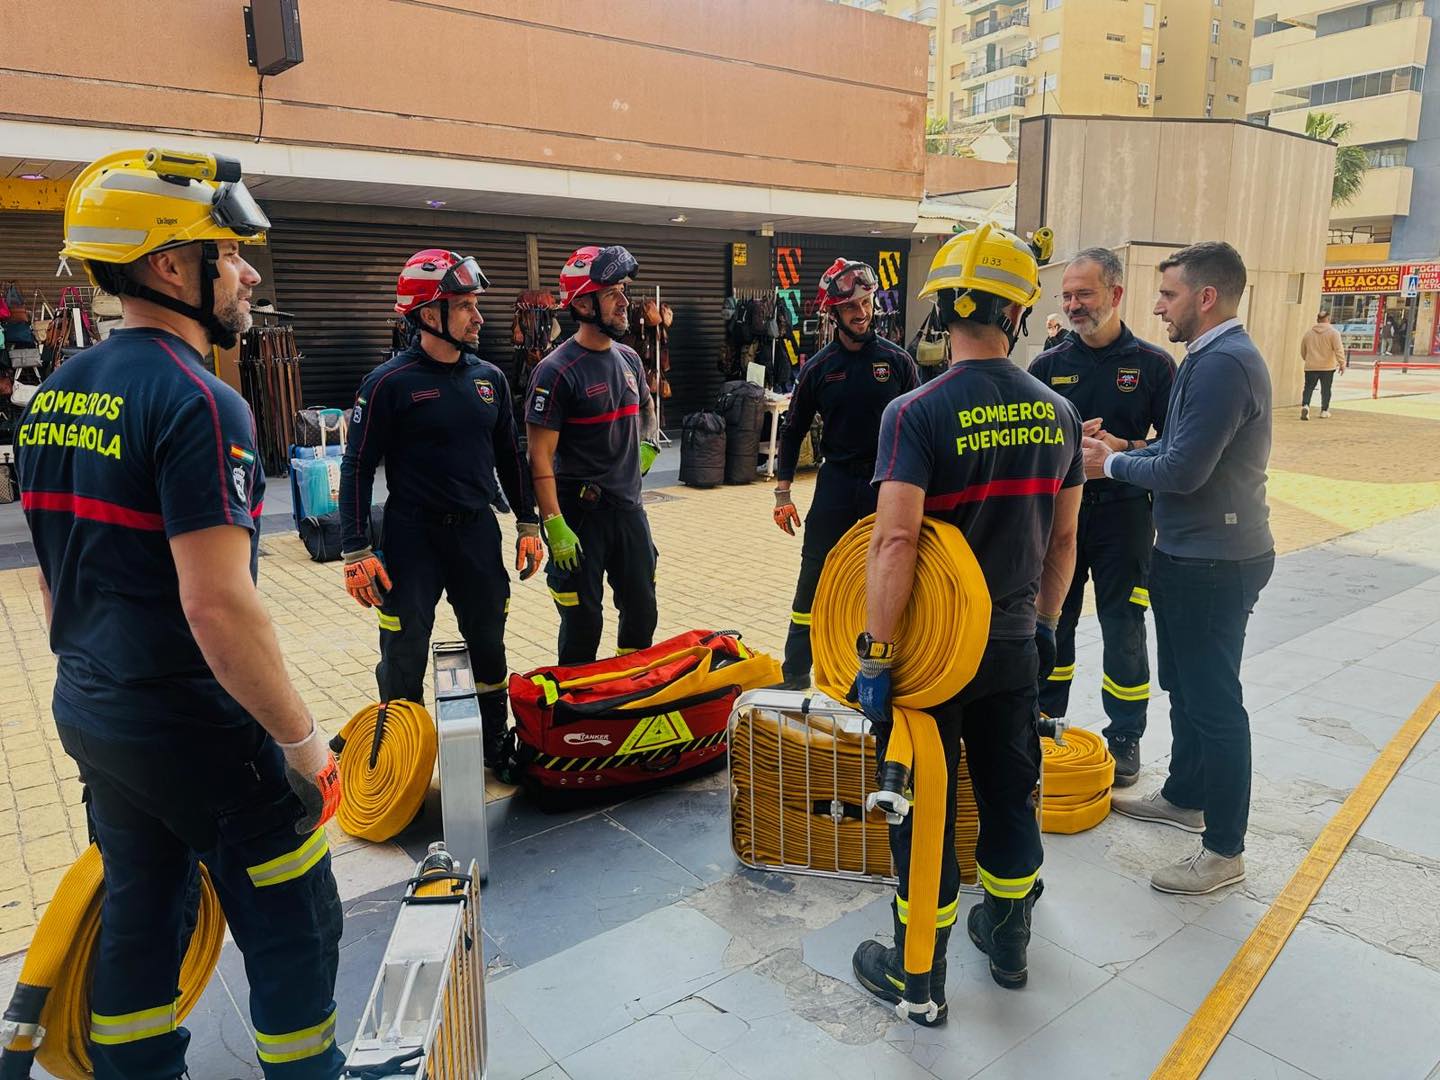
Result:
<point x="436" y="274"/>
<point x="592" y="268"/>
<point x="846" y="280"/>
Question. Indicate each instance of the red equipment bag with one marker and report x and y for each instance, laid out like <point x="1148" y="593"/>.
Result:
<point x="655" y="714"/>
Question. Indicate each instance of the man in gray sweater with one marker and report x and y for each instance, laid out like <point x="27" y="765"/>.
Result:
<point x="1213" y="555"/>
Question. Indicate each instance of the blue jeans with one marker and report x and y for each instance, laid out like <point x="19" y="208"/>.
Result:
<point x="1202" y="607"/>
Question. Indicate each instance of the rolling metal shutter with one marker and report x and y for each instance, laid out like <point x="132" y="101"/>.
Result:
<point x="29" y="253"/>
<point x="338" y="279"/>
<point x="691" y="274"/>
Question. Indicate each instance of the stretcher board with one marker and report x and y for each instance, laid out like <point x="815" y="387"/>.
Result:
<point x="462" y="756"/>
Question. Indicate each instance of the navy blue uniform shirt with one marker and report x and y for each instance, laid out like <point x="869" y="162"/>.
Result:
<point x="850" y="391"/>
<point x="594" y="400"/>
<point x="130" y="443"/>
<point x="1127" y="384"/>
<point x="991" y="446"/>
<point x="443" y="430"/>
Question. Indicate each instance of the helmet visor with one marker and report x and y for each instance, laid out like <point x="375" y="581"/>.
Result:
<point x="464" y="277"/>
<point x="853" y="278"/>
<point x="234" y="208"/>
<point x="612" y="266"/>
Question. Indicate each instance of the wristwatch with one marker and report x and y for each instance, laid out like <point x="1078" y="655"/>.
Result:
<point x="867" y="648"/>
<point x="1129" y="444"/>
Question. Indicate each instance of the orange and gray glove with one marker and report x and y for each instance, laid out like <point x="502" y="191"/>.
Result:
<point x="785" y="514"/>
<point x="314" y="775"/>
<point x="529" y="550"/>
<point x="365" y="577"/>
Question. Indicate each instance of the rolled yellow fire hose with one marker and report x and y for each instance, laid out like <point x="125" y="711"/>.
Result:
<point x="385" y="770"/>
<point x="1078" y="777"/>
<point x="54" y="986"/>
<point x="939" y="644"/>
<point x="790" y="771"/>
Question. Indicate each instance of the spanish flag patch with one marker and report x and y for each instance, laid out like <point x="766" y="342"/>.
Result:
<point x="240" y="454"/>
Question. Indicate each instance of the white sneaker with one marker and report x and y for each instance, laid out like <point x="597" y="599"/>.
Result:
<point x="1324" y="414"/>
<point x="1304" y="412"/>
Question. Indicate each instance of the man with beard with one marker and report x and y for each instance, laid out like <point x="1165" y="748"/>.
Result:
<point x="848" y="382"/>
<point x="1213" y="555"/>
<point x="441" y="419"/>
<point x="587" y="408"/>
<point x="143" y="495"/>
<point x="1121" y="385"/>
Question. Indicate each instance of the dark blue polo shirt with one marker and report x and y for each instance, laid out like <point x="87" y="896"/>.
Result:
<point x="595" y="401"/>
<point x="991" y="446"/>
<point x="444" y="432"/>
<point x="130" y="443"/>
<point x="850" y="391"/>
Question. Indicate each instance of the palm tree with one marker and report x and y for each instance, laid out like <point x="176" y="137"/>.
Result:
<point x="935" y="126"/>
<point x="1351" y="162"/>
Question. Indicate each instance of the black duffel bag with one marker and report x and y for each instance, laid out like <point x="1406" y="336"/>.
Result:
<point x="322" y="535"/>
<point x="742" y="404"/>
<point x="702" y="450"/>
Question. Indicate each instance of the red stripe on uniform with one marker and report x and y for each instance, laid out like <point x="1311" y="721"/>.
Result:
<point x="255" y="513"/>
<point x="1033" y="485"/>
<point x="215" y="422"/>
<point x="605" y="418"/>
<point x="109" y="513"/>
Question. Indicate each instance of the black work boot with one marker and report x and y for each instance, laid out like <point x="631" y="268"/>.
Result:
<point x="881" y="970"/>
<point x="1125" y="749"/>
<point x="1001" y="930"/>
<point x="495" y="729"/>
<point x="793" y="682"/>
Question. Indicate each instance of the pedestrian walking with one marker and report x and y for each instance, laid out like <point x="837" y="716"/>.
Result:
<point x="1323" y="352"/>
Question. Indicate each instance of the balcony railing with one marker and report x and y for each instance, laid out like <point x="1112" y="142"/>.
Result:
<point x="990" y="26"/>
<point x="996" y="104"/>
<point x="1018" y="59"/>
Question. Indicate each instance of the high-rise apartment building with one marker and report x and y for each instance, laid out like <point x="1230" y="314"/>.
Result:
<point x="1364" y="63"/>
<point x="993" y="62"/>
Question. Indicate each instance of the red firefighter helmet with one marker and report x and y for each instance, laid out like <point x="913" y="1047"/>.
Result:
<point x="592" y="268"/>
<point x="846" y="280"/>
<point x="437" y="274"/>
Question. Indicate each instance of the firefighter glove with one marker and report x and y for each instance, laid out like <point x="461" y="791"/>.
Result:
<point x="314" y="776"/>
<point x="872" y="689"/>
<point x="564" y="544"/>
<point x="785" y="514"/>
<point x="365" y="577"/>
<point x="649" y="451"/>
<point x="529" y="551"/>
<point x="1045" y="643"/>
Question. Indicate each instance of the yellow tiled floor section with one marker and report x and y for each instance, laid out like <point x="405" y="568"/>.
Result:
<point x="723" y="565"/>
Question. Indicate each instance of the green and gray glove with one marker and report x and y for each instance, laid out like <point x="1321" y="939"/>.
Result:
<point x="564" y="544"/>
<point x="649" y="451"/>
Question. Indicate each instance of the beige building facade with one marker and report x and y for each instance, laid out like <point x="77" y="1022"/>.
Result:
<point x="995" y="62"/>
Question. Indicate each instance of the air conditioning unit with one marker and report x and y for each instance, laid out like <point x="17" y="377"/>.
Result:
<point x="1024" y="86"/>
<point x="1143" y="95"/>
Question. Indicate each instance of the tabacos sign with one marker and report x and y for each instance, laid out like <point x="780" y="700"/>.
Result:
<point x="1363" y="279"/>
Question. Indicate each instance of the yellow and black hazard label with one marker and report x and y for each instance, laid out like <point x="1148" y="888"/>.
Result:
<point x="619" y="760"/>
<point x="889" y="270"/>
<point x="656" y="733"/>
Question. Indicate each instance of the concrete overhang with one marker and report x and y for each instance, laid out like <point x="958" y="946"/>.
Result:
<point x="292" y="173"/>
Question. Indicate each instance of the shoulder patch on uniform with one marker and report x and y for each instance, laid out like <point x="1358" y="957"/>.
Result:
<point x="541" y="398"/>
<point x="1064" y="380"/>
<point x="881" y="370"/>
<point x="631" y="383"/>
<point x="486" y="389"/>
<point x="1127" y="379"/>
<point x="240" y="454"/>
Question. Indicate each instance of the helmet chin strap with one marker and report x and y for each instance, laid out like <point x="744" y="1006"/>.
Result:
<point x="444" y="332"/>
<point x="220" y="335"/>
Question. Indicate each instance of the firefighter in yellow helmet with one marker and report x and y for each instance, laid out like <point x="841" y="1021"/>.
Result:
<point x="143" y="494"/>
<point x="991" y="450"/>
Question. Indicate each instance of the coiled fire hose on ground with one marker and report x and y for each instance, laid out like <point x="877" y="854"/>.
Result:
<point x="387" y="757"/>
<point x="1078" y="777"/>
<point x="939" y="644"/>
<point x="54" y="986"/>
<point x="800" y="785"/>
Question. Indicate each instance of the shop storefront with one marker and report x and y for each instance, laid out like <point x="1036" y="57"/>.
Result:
<point x="1385" y="310"/>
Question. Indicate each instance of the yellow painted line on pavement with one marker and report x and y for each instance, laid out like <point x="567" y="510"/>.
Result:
<point x="1351" y="504"/>
<point x="1419" y="406"/>
<point x="1212" y="1021"/>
